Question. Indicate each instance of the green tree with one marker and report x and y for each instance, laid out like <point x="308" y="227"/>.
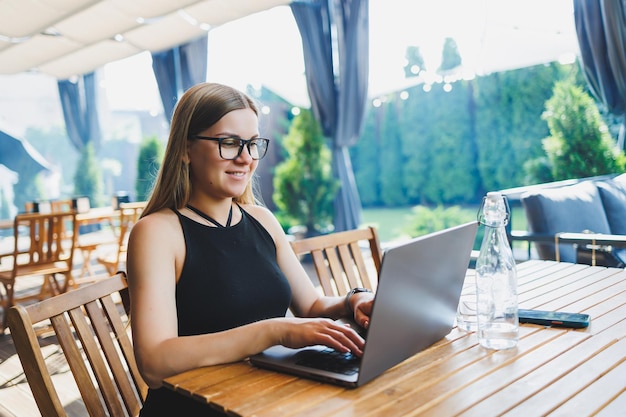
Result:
<point x="304" y="186"/>
<point x="450" y="57"/>
<point x="509" y="127"/>
<point x="579" y="144"/>
<point x="364" y="157"/>
<point x="148" y="165"/>
<point x="88" y="178"/>
<point x="417" y="136"/>
<point x="414" y="62"/>
<point x="391" y="160"/>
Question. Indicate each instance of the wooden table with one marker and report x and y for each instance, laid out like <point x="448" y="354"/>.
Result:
<point x="560" y="371"/>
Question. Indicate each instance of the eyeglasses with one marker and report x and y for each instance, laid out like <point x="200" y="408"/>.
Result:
<point x="231" y="148"/>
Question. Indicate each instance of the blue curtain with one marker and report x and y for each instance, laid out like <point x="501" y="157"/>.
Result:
<point x="337" y="70"/>
<point x="78" y="100"/>
<point x="601" y="30"/>
<point x="18" y="155"/>
<point x="178" y="69"/>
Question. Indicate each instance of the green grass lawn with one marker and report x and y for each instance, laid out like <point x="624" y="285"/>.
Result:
<point x="390" y="222"/>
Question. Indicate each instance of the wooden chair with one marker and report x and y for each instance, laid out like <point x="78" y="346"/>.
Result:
<point x="129" y="215"/>
<point x="84" y="244"/>
<point x="41" y="247"/>
<point x="339" y="260"/>
<point x="91" y="332"/>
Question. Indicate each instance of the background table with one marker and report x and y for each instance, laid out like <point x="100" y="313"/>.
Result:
<point x="559" y="371"/>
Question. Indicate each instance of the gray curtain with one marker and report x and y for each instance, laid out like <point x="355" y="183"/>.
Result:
<point x="178" y="69"/>
<point x="337" y="70"/>
<point x="80" y="111"/>
<point x="601" y="30"/>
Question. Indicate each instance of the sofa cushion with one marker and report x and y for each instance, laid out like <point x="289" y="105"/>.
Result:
<point x="613" y="195"/>
<point x="574" y="208"/>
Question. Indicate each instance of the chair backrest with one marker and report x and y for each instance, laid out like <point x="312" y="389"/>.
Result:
<point x="339" y="259"/>
<point x="49" y="206"/>
<point x="129" y="215"/>
<point x="43" y="239"/>
<point x="90" y="330"/>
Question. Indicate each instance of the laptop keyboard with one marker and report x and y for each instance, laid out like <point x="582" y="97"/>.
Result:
<point x="330" y="360"/>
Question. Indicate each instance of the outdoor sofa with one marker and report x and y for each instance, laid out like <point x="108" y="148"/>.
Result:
<point x="571" y="221"/>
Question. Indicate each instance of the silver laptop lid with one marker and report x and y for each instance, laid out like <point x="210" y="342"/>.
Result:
<point x="418" y="292"/>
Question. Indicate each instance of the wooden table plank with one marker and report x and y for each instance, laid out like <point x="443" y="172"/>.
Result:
<point x="223" y="393"/>
<point x="293" y="405"/>
<point x="214" y="376"/>
<point x="455" y="343"/>
<point x="600" y="393"/>
<point x="616" y="407"/>
<point x="523" y="364"/>
<point x="537" y="380"/>
<point x="440" y="388"/>
<point x="277" y="394"/>
<point x="539" y="296"/>
<point x="563" y="389"/>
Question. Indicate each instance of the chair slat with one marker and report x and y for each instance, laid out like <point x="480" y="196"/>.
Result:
<point x="349" y="265"/>
<point x="125" y="344"/>
<point x="338" y="259"/>
<point x="74" y="357"/>
<point x="336" y="269"/>
<point x="87" y="324"/>
<point x="118" y="372"/>
<point x="94" y="356"/>
<point x="322" y="272"/>
<point x="363" y="279"/>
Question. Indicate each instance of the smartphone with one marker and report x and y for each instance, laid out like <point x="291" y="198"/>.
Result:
<point x="554" y="318"/>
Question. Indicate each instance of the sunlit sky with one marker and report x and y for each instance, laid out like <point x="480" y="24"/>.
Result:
<point x="265" y="48"/>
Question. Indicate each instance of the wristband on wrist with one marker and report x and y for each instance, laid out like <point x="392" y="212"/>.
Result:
<point x="350" y="294"/>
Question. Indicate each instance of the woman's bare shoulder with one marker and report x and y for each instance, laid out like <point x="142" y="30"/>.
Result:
<point x="160" y="221"/>
<point x="264" y="216"/>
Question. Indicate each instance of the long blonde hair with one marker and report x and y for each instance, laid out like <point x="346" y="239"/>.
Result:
<point x="199" y="108"/>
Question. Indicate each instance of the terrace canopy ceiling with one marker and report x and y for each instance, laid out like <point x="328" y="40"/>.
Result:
<point x="63" y="38"/>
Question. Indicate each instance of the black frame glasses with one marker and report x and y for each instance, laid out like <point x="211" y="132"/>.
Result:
<point x="257" y="147"/>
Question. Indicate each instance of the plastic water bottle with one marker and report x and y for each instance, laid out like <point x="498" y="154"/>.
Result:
<point x="496" y="278"/>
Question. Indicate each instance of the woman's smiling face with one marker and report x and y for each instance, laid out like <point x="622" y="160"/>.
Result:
<point x="216" y="177"/>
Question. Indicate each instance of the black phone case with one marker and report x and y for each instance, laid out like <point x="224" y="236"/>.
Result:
<point x="553" y="318"/>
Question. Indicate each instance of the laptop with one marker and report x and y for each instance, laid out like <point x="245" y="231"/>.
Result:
<point x="416" y="300"/>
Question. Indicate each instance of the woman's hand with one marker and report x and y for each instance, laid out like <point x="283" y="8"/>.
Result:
<point x="363" y="311"/>
<point x="361" y="304"/>
<point x="300" y="332"/>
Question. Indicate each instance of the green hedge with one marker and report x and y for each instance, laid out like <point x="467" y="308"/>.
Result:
<point x="441" y="147"/>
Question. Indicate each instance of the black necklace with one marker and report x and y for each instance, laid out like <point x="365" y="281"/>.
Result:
<point x="209" y="218"/>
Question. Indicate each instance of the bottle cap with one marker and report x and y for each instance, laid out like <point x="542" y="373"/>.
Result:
<point x="494" y="211"/>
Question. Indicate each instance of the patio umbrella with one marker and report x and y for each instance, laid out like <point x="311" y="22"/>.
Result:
<point x="19" y="155"/>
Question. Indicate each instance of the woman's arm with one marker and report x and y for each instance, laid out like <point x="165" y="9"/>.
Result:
<point x="155" y="257"/>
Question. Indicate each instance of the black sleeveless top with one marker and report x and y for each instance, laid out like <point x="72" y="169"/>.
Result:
<point x="230" y="278"/>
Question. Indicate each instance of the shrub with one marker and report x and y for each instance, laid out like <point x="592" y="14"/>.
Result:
<point x="148" y="165"/>
<point x="304" y="187"/>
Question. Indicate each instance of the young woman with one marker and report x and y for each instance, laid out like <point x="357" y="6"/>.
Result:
<point x="212" y="274"/>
